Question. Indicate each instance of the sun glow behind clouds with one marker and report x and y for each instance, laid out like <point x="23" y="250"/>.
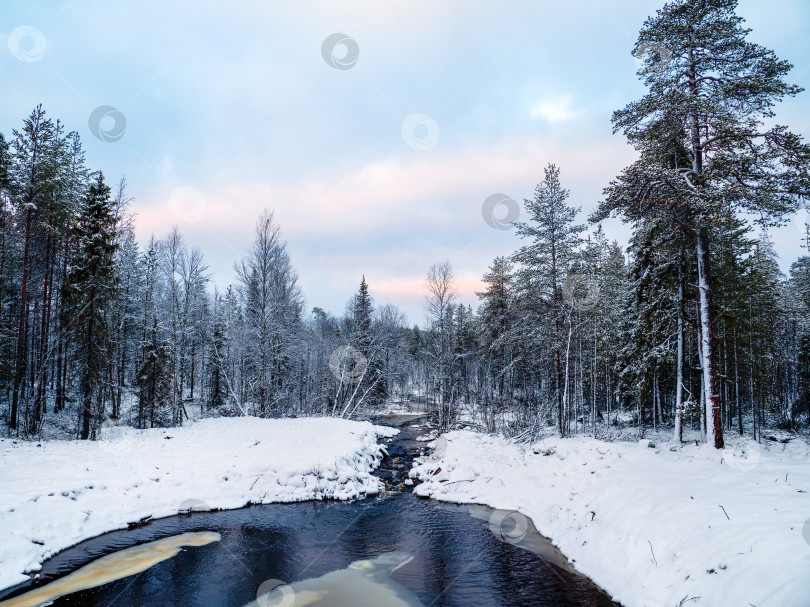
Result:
<point x="553" y="109"/>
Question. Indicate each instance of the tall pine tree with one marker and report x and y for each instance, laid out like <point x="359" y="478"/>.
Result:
<point x="91" y="288"/>
<point x="704" y="147"/>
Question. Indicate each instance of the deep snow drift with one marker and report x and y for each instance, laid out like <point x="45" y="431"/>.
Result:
<point x="55" y="494"/>
<point x="668" y="526"/>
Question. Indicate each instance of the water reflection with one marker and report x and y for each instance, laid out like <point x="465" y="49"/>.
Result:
<point x="458" y="560"/>
<point x="328" y="552"/>
<point x="116" y="566"/>
<point x="364" y="583"/>
<point x="514" y="528"/>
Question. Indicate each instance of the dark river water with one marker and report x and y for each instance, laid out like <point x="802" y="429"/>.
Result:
<point x="457" y="559"/>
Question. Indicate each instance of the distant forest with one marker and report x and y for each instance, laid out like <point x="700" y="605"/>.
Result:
<point x="692" y="327"/>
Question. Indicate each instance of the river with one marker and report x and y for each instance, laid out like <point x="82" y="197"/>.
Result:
<point x="398" y="549"/>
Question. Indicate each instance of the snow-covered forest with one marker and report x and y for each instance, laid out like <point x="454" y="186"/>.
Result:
<point x="608" y="418"/>
<point x="571" y="331"/>
<point x="692" y="321"/>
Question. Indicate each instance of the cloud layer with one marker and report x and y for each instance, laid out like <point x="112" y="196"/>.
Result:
<point x="231" y="108"/>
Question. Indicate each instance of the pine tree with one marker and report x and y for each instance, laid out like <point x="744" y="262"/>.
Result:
<point x="74" y="185"/>
<point x="126" y="313"/>
<point x="496" y="316"/>
<point x="613" y="292"/>
<point x="703" y="145"/>
<point x="6" y="220"/>
<point x="543" y="266"/>
<point x="34" y="180"/>
<point x="802" y="405"/>
<point x="763" y="283"/>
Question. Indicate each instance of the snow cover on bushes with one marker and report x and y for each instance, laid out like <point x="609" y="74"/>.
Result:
<point x="55" y="494"/>
<point x="668" y="526"/>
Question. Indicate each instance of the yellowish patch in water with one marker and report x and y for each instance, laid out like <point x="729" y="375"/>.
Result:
<point x="364" y="583"/>
<point x="113" y="567"/>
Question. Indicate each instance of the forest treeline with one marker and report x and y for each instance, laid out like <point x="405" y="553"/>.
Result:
<point x="693" y="326"/>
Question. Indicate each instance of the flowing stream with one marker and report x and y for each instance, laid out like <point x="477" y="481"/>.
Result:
<point x="396" y="550"/>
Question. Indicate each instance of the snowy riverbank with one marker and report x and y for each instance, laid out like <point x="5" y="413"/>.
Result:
<point x="55" y="494"/>
<point x="653" y="526"/>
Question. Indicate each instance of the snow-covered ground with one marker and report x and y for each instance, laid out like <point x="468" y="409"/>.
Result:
<point x="55" y="494"/>
<point x="672" y="525"/>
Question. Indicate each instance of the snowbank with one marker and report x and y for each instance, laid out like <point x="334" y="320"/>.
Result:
<point x="665" y="526"/>
<point x="58" y="493"/>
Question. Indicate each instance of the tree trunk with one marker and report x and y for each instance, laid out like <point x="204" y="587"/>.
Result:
<point x="678" y="435"/>
<point x="2" y="261"/>
<point x="738" y="402"/>
<point x="42" y="371"/>
<point x="193" y="361"/>
<point x="565" y="384"/>
<point x="61" y="353"/>
<point x="87" y="379"/>
<point x="21" y="341"/>
<point x="714" y="426"/>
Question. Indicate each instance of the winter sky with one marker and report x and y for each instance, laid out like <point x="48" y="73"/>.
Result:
<point x="231" y="107"/>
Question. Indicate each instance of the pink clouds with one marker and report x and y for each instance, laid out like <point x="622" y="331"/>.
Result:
<point x="400" y="190"/>
<point x="391" y="218"/>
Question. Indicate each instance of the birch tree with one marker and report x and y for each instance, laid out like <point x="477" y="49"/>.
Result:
<point x="439" y="301"/>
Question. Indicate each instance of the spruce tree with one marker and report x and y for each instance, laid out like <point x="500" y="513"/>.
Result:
<point x="370" y="389"/>
<point x="91" y="288"/>
<point x="362" y="311"/>
<point x="217" y="394"/>
<point x="153" y="377"/>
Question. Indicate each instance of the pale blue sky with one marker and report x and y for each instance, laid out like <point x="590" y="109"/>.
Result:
<point x="230" y="108"/>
